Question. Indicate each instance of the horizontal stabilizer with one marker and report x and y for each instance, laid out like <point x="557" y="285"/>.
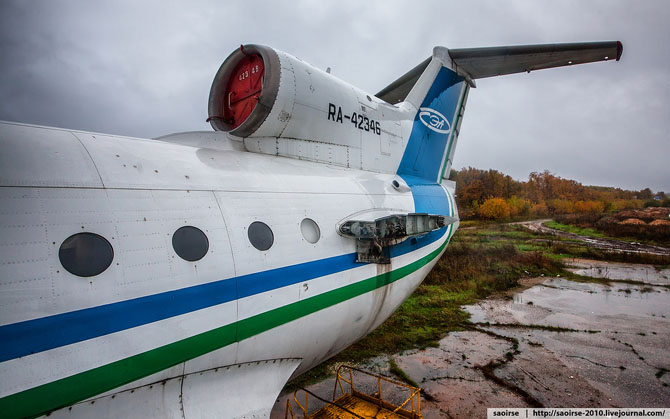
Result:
<point x="477" y="63"/>
<point x="399" y="89"/>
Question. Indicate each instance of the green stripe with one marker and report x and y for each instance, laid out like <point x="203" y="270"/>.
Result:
<point x="67" y="391"/>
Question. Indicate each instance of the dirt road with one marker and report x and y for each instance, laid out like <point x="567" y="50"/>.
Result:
<point x="598" y="243"/>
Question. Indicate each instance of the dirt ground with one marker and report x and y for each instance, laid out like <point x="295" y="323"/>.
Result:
<point x="551" y="343"/>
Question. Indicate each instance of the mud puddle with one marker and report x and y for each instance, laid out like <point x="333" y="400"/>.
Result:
<point x="553" y="343"/>
<point x="648" y="274"/>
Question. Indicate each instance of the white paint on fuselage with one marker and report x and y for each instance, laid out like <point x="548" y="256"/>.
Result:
<point x="136" y="193"/>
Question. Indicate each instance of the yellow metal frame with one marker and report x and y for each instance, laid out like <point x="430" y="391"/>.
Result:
<point x="415" y="393"/>
<point x="305" y="407"/>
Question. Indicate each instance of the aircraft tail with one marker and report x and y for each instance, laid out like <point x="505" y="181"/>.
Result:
<point x="437" y="89"/>
<point x="439" y="97"/>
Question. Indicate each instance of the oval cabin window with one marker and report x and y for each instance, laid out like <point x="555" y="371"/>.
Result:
<point x="86" y="254"/>
<point x="260" y="235"/>
<point x="310" y="230"/>
<point x="190" y="243"/>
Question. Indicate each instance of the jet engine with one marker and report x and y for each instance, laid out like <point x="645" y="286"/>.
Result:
<point x="261" y="92"/>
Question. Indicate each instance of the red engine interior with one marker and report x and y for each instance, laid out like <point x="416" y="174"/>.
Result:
<point x="244" y="88"/>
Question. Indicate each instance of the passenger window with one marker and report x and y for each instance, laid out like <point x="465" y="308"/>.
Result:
<point x="86" y="254"/>
<point x="260" y="235"/>
<point x="310" y="230"/>
<point x="190" y="243"/>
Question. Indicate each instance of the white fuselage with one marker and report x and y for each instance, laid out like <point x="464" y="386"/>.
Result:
<point x="293" y="305"/>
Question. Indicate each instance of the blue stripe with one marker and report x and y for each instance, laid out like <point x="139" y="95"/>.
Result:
<point x="33" y="336"/>
<point x="429" y="197"/>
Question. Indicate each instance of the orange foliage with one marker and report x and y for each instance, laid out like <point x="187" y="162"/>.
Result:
<point x="620" y="204"/>
<point x="560" y="206"/>
<point x="592" y="207"/>
<point x="494" y="209"/>
<point x="540" y="209"/>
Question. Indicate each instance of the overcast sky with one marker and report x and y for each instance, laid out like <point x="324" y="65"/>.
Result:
<point x="145" y="68"/>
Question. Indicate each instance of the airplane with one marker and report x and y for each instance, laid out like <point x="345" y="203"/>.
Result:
<point x="193" y="275"/>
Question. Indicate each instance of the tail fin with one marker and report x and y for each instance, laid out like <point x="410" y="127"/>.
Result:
<point x="439" y="88"/>
<point x="439" y="97"/>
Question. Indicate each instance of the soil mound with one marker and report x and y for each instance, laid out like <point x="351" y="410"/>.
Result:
<point x="645" y="223"/>
<point x="645" y="214"/>
<point x="633" y="221"/>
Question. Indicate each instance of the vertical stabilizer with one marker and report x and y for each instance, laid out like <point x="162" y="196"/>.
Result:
<point x="439" y="99"/>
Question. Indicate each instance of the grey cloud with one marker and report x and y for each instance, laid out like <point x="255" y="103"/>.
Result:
<point x="144" y="69"/>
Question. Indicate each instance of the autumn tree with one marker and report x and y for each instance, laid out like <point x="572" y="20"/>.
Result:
<point x="544" y="193"/>
<point x="494" y="209"/>
<point x="645" y="193"/>
<point x="560" y="206"/>
<point x="539" y="209"/>
<point x="518" y="206"/>
<point x="592" y="207"/>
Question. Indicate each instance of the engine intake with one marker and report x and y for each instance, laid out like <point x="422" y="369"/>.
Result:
<point x="244" y="90"/>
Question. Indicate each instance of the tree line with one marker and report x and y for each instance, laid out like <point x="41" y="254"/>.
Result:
<point x="490" y="194"/>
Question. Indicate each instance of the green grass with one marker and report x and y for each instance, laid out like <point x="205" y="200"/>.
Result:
<point x="565" y="249"/>
<point x="569" y="228"/>
<point x="536" y="327"/>
<point x="530" y="247"/>
<point x="509" y="232"/>
<point x="400" y="374"/>
<point x="590" y="232"/>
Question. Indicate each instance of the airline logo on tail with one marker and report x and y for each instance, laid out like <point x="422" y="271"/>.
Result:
<point x="434" y="120"/>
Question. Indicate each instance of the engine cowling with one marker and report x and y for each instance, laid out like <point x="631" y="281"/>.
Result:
<point x="278" y="104"/>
